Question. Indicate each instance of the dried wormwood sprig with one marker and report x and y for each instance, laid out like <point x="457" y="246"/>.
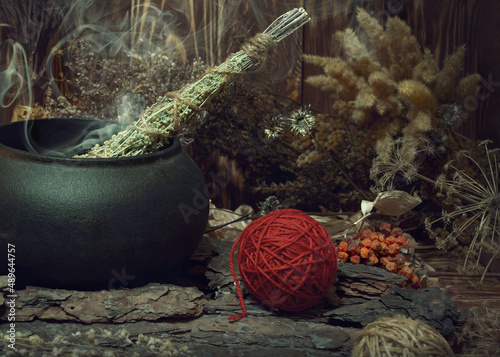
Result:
<point x="96" y="343"/>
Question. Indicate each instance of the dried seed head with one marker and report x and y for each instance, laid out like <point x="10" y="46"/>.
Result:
<point x="302" y="121"/>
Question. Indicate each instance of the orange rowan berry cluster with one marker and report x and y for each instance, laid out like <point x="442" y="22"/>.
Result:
<point x="385" y="248"/>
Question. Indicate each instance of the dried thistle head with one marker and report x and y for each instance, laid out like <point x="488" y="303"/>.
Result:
<point x="274" y="127"/>
<point x="271" y="203"/>
<point x="302" y="121"/>
<point x="299" y="122"/>
<point x="451" y="114"/>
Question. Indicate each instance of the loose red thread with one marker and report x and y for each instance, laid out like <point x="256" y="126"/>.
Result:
<point x="286" y="260"/>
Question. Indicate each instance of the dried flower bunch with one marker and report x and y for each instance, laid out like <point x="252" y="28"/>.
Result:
<point x="398" y="108"/>
<point x="164" y="119"/>
<point x="97" y="86"/>
<point x="410" y="108"/>
<point x="387" y="86"/>
<point x="340" y="164"/>
<point x="100" y="342"/>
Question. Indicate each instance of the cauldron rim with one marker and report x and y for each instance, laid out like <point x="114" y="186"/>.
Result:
<point x="173" y="146"/>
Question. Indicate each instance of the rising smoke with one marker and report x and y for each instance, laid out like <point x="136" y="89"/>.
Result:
<point x="37" y="37"/>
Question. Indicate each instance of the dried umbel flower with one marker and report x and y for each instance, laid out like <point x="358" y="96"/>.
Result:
<point x="476" y="184"/>
<point x="175" y="110"/>
<point x="398" y="163"/>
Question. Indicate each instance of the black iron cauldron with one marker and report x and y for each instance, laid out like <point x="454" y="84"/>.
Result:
<point x="94" y="223"/>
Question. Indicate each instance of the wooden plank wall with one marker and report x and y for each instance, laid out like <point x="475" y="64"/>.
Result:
<point x="444" y="25"/>
<point x="212" y="29"/>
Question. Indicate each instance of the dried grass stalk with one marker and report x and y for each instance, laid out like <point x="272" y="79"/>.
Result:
<point x="175" y="110"/>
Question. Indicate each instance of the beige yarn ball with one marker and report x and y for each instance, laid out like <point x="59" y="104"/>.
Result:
<point x="400" y="336"/>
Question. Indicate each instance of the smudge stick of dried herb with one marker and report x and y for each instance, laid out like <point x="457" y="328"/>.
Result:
<point x="171" y="112"/>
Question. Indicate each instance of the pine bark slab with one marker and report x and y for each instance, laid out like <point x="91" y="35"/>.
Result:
<point x="149" y="303"/>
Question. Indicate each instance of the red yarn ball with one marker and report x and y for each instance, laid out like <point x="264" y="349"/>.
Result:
<point x="286" y="260"/>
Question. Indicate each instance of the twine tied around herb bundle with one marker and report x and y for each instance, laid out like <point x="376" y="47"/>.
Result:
<point x="258" y="48"/>
<point x="174" y="110"/>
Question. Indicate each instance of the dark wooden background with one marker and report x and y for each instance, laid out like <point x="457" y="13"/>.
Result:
<point x="212" y="29"/>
